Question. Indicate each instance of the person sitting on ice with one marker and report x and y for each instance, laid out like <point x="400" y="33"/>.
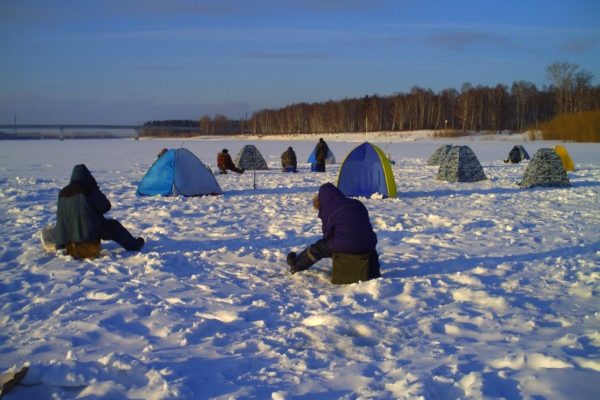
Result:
<point x="514" y="156"/>
<point x="288" y="160"/>
<point x="348" y="238"/>
<point x="80" y="221"/>
<point x="224" y="163"/>
<point x="162" y="152"/>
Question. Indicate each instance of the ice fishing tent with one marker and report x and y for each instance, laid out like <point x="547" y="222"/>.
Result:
<point x="565" y="157"/>
<point x="438" y="156"/>
<point x="517" y="154"/>
<point x="178" y="171"/>
<point x="250" y="158"/>
<point x="545" y="169"/>
<point x="461" y="165"/>
<point x="365" y="171"/>
<point x="312" y="158"/>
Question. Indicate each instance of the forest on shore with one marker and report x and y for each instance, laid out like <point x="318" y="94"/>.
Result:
<point x="571" y="98"/>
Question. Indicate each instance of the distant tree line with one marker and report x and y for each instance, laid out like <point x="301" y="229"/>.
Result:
<point x="217" y="125"/>
<point x="474" y="108"/>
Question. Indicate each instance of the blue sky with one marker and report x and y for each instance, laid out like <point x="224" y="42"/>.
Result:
<point x="119" y="61"/>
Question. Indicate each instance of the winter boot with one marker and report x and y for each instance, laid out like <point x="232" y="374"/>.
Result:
<point x="291" y="259"/>
<point x="139" y="243"/>
<point x="301" y="261"/>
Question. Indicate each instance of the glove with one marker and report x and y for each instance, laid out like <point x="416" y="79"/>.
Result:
<point x="291" y="260"/>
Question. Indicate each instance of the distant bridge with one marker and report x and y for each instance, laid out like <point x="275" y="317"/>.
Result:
<point x="97" y="127"/>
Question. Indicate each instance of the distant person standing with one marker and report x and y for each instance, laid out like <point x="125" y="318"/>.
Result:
<point x="224" y="163"/>
<point x="288" y="160"/>
<point x="321" y="155"/>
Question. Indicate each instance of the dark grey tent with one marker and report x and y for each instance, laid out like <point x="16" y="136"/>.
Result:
<point x="545" y="169"/>
<point x="250" y="158"/>
<point x="517" y="154"/>
<point x="438" y="156"/>
<point x="461" y="165"/>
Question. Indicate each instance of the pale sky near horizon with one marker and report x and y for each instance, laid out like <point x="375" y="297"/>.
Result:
<point x="130" y="61"/>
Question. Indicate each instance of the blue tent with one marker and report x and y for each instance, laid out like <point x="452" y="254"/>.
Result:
<point x="366" y="171"/>
<point x="312" y="158"/>
<point x="178" y="171"/>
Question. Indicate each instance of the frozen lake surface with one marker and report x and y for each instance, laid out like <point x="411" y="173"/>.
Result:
<point x="488" y="291"/>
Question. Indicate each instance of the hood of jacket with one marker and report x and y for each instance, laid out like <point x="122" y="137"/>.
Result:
<point x="83" y="175"/>
<point x="329" y="195"/>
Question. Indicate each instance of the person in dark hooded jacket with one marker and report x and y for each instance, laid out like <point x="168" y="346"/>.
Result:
<point x="288" y="160"/>
<point x="346" y="229"/>
<point x="321" y="155"/>
<point x="514" y="156"/>
<point x="80" y="215"/>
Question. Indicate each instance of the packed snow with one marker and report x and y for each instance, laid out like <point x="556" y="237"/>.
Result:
<point x="488" y="290"/>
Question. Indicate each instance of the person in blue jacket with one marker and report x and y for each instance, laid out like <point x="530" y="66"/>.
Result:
<point x="346" y="229"/>
<point x="80" y="214"/>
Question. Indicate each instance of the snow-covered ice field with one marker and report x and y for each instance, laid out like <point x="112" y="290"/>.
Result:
<point x="488" y="291"/>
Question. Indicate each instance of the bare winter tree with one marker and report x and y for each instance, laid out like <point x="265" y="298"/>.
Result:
<point x="583" y="92"/>
<point x="561" y="75"/>
<point x="205" y="124"/>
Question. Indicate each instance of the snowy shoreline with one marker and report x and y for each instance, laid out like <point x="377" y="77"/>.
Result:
<point x="392" y="136"/>
<point x="488" y="291"/>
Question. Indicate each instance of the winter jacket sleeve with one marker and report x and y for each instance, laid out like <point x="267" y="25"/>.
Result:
<point x="99" y="201"/>
<point x="327" y="230"/>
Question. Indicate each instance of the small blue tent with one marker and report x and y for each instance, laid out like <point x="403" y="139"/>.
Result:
<point x="366" y="171"/>
<point x="312" y="158"/>
<point x="178" y="171"/>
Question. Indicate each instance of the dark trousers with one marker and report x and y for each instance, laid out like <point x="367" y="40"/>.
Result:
<point x="321" y="249"/>
<point x="320" y="166"/>
<point x="231" y="168"/>
<point x="113" y="230"/>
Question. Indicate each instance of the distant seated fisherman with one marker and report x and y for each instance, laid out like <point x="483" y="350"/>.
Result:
<point x="162" y="152"/>
<point x="224" y="163"/>
<point x="514" y="156"/>
<point x="288" y="160"/>
<point x="80" y="221"/>
<point x="348" y="238"/>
